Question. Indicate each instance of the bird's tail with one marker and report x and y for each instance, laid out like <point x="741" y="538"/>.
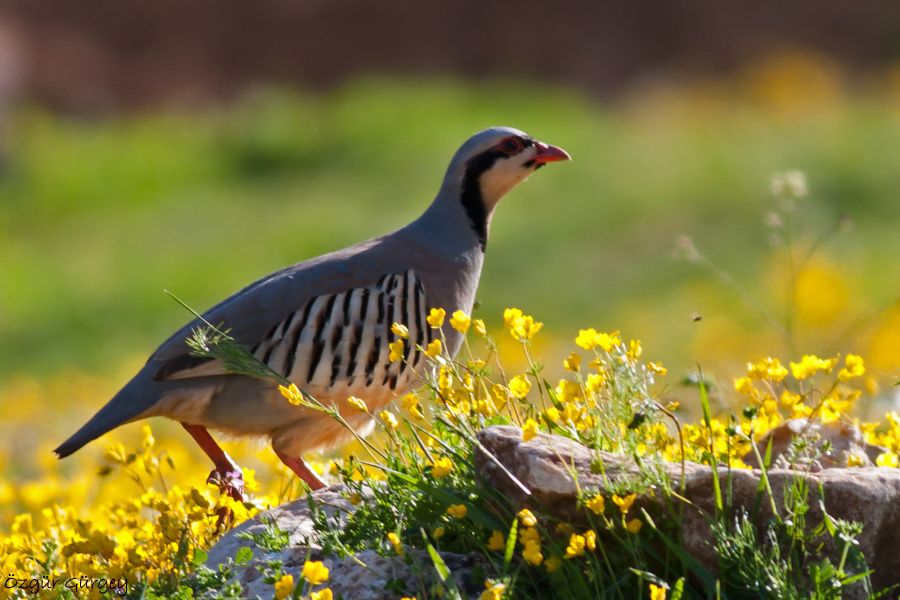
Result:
<point x="126" y="405"/>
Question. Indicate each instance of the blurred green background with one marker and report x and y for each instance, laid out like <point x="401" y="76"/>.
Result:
<point x="107" y="203"/>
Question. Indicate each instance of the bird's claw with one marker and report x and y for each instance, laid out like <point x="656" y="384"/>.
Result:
<point x="230" y="482"/>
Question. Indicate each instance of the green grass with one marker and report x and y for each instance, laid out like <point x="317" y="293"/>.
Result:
<point x="99" y="217"/>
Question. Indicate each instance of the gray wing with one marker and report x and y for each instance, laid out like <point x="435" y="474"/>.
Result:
<point x="251" y="312"/>
<point x="338" y="336"/>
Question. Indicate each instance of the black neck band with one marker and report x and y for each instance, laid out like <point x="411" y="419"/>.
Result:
<point x="470" y="196"/>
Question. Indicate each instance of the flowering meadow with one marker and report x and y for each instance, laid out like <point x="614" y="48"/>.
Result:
<point x="135" y="521"/>
<point x="150" y="538"/>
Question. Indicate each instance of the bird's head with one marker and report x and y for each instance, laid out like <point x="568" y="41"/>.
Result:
<point x="494" y="161"/>
<point x="488" y="165"/>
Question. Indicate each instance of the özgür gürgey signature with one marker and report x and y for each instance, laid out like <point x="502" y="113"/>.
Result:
<point x="117" y="586"/>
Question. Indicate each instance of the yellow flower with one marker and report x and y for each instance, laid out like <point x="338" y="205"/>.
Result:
<point x="634" y="350"/>
<point x="625" y="503"/>
<point x="608" y="340"/>
<point x="441" y="467"/>
<point x="572" y="362"/>
<point x="587" y="338"/>
<point x="400" y="330"/>
<point x="496" y="542"/>
<point x="494" y="591"/>
<point x="567" y="391"/>
<point x="527" y="518"/>
<point x="532" y="553"/>
<point x="315" y="572"/>
<point x="529" y="429"/>
<point x="292" y="394"/>
<point x="594" y="382"/>
<point x="789" y="399"/>
<point x="809" y="365"/>
<point x="458" y="511"/>
<point x="394" y="539"/>
<point x="460" y="321"/>
<point x="887" y="459"/>
<point x="767" y="368"/>
<point x="434" y="348"/>
<point x="396" y="350"/>
<point x="634" y="525"/>
<point x="552" y="564"/>
<point x="596" y="504"/>
<point x="563" y="528"/>
<point x="438" y="533"/>
<point x="855" y="367"/>
<point x="576" y="546"/>
<point x="284" y="587"/>
<point x="435" y="318"/>
<point x="657" y="368"/>
<point x="388" y="419"/>
<point x="590" y="540"/>
<point x="147" y="439"/>
<point x="743" y="385"/>
<point x="411" y="403"/>
<point x="510" y="315"/>
<point x="855" y="460"/>
<point x="552" y="414"/>
<point x="479" y="327"/>
<point x="323" y="594"/>
<point x="525" y="328"/>
<point x="519" y="386"/>
<point x="445" y="379"/>
<point x="657" y="592"/>
<point x="357" y="403"/>
<point x="485" y="408"/>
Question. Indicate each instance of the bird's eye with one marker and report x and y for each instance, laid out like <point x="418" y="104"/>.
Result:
<point x="510" y="146"/>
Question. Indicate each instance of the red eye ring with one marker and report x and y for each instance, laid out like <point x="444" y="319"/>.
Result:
<point x="510" y="146"/>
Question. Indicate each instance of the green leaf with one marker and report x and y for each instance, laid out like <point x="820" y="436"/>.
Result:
<point x="200" y="557"/>
<point x="707" y="419"/>
<point x="441" y="567"/>
<point x="677" y="590"/>
<point x="510" y="545"/>
<point x="243" y="556"/>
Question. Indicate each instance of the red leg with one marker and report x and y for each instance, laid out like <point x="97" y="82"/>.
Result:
<point x="302" y="470"/>
<point x="227" y="475"/>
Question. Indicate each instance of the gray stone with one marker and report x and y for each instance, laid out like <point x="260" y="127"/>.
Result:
<point x="549" y="467"/>
<point x="830" y="445"/>
<point x="366" y="576"/>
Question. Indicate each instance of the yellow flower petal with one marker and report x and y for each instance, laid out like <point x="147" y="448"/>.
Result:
<point x="315" y="572"/>
<point x="529" y="429"/>
<point x="436" y="317"/>
<point x="519" y="386"/>
<point x="460" y="321"/>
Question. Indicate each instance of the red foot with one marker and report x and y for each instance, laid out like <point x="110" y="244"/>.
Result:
<point x="298" y="466"/>
<point x="227" y="475"/>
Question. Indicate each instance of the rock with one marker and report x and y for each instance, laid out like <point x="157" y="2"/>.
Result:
<point x="366" y="576"/>
<point x="292" y="518"/>
<point x="832" y="445"/>
<point x="548" y="466"/>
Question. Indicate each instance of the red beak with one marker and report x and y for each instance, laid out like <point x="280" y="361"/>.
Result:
<point x="547" y="154"/>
